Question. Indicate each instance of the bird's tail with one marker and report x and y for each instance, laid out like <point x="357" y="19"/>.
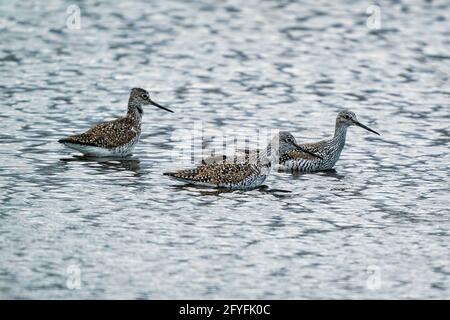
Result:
<point x="64" y="140"/>
<point x="182" y="175"/>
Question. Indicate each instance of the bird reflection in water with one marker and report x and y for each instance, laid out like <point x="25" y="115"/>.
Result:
<point x="108" y="164"/>
<point x="332" y="173"/>
<point x="203" y="191"/>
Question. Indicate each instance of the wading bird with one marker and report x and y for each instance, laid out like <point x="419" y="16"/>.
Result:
<point x="328" y="150"/>
<point x="115" y="138"/>
<point x="246" y="173"/>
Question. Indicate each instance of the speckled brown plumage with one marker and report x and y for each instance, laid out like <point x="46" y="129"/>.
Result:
<point x="316" y="147"/>
<point x="244" y="172"/>
<point x="109" y="135"/>
<point x="239" y="158"/>
<point x="117" y="137"/>
<point x="329" y="150"/>
<point x="221" y="175"/>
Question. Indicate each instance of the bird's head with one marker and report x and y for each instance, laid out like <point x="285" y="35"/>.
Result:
<point x="140" y="97"/>
<point x="348" y="118"/>
<point x="287" y="143"/>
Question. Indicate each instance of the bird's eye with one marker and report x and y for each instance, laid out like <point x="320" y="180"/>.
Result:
<point x="145" y="96"/>
<point x="289" y="140"/>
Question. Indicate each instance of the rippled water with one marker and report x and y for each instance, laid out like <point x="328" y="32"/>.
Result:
<point x="377" y="227"/>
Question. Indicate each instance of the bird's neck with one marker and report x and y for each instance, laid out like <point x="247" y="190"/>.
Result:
<point x="269" y="154"/>
<point x="264" y="156"/>
<point x="340" y="133"/>
<point x="133" y="112"/>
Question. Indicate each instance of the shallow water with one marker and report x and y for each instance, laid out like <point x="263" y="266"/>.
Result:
<point x="377" y="227"/>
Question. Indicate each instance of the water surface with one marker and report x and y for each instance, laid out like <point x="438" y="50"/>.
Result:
<point x="377" y="227"/>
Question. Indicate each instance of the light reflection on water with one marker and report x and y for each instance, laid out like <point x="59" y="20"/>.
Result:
<point x="135" y="233"/>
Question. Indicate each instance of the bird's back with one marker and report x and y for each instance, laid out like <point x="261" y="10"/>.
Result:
<point x="222" y="175"/>
<point x="300" y="161"/>
<point x="109" y="135"/>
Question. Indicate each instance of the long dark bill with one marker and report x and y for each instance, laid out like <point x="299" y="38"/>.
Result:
<point x="160" y="106"/>
<point x="308" y="152"/>
<point x="359" y="124"/>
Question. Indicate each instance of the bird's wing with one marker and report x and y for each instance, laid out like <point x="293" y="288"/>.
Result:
<point x="242" y="156"/>
<point x="315" y="147"/>
<point x="221" y="158"/>
<point x="109" y="134"/>
<point x="215" y="174"/>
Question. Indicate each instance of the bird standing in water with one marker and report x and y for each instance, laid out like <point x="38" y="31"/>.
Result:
<point x="247" y="173"/>
<point x="329" y="150"/>
<point x="115" y="138"/>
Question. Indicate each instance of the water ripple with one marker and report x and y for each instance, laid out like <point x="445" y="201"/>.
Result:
<point x="135" y="233"/>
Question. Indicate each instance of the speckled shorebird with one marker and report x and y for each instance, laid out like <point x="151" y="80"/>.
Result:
<point x="329" y="150"/>
<point x="115" y="138"/>
<point x="247" y="172"/>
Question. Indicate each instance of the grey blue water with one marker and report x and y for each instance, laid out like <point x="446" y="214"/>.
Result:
<point x="376" y="227"/>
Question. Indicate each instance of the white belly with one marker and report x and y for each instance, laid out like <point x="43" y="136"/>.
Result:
<point x="93" y="151"/>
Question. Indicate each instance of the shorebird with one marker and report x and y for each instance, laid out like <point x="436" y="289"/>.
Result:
<point x="329" y="150"/>
<point x="115" y="138"/>
<point x="247" y="172"/>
